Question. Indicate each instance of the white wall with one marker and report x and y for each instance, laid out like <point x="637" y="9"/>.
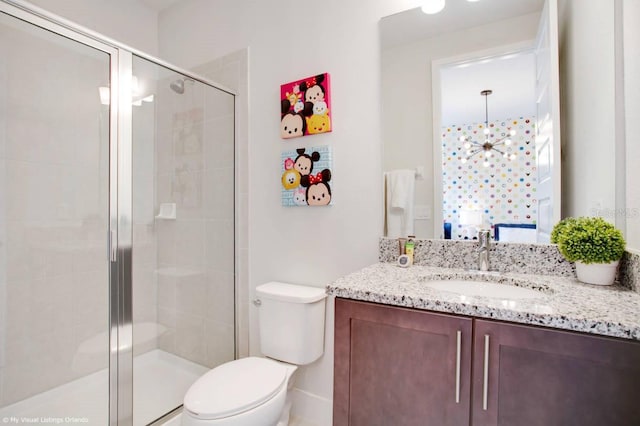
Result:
<point x="588" y="107"/>
<point x="289" y="40"/>
<point x="407" y="98"/>
<point x="127" y="21"/>
<point x="631" y="13"/>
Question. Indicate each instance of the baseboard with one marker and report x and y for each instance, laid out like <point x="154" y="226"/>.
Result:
<point x="311" y="409"/>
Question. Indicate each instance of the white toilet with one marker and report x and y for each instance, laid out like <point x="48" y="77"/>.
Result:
<point x="256" y="391"/>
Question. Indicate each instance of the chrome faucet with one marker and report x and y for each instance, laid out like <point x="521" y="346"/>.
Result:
<point x="483" y="252"/>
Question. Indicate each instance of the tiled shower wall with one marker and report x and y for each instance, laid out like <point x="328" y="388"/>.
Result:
<point x="144" y="288"/>
<point x="195" y="274"/>
<point x="232" y="72"/>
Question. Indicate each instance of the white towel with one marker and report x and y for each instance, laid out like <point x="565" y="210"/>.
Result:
<point x="400" y="199"/>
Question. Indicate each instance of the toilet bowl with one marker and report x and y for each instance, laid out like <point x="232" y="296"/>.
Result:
<point x="246" y="392"/>
<point x="256" y="391"/>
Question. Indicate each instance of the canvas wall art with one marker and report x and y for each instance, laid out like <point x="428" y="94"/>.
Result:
<point x="305" y="107"/>
<point x="306" y="176"/>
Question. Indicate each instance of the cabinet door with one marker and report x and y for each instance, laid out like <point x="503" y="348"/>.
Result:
<point x="536" y="376"/>
<point x="397" y="366"/>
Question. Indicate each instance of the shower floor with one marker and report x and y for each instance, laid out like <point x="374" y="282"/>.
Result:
<point x="160" y="381"/>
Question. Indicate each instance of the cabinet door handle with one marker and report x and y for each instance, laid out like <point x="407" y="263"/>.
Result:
<point x="485" y="384"/>
<point x="458" y="343"/>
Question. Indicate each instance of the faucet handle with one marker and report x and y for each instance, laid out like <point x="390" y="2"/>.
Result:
<point x="484" y="237"/>
<point x="483" y="252"/>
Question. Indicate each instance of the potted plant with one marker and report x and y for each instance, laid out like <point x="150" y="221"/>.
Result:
<point x="595" y="245"/>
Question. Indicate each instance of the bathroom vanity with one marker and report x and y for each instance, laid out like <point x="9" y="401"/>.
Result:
<point x="407" y="353"/>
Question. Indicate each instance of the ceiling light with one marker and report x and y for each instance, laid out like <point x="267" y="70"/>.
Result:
<point x="487" y="147"/>
<point x="431" y="7"/>
<point x="105" y="94"/>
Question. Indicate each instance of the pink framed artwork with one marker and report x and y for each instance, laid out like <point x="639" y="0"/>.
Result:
<point x="305" y="107"/>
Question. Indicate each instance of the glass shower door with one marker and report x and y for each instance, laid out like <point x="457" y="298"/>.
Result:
<point x="54" y="222"/>
<point x="116" y="228"/>
<point x="183" y="235"/>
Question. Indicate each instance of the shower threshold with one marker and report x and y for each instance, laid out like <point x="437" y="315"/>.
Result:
<point x="160" y="380"/>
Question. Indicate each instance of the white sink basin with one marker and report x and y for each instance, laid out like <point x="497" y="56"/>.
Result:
<point x="484" y="289"/>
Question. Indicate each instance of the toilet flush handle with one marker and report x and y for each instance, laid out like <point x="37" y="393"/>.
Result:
<point x="257" y="302"/>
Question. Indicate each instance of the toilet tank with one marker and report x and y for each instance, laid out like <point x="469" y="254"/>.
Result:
<point x="291" y="321"/>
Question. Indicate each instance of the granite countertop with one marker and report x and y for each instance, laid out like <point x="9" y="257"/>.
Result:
<point x="564" y="303"/>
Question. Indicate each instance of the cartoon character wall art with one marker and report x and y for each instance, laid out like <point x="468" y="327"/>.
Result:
<point x="318" y="190"/>
<point x="306" y="176"/>
<point x="304" y="162"/>
<point x="305" y="107"/>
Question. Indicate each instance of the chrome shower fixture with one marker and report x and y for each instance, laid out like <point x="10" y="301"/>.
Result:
<point x="178" y="85"/>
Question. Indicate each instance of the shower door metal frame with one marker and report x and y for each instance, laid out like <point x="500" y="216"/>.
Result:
<point x="117" y="335"/>
<point x="120" y="232"/>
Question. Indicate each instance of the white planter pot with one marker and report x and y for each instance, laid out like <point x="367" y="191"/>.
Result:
<point x="597" y="273"/>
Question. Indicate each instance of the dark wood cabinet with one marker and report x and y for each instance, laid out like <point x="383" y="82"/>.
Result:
<point x="399" y="366"/>
<point x="537" y="376"/>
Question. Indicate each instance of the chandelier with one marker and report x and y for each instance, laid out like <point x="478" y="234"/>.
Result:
<point x="487" y="147"/>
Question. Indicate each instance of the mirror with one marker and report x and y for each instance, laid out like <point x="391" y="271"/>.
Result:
<point x="434" y="68"/>
<point x="597" y="44"/>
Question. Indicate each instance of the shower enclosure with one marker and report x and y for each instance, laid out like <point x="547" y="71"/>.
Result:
<point x="117" y="284"/>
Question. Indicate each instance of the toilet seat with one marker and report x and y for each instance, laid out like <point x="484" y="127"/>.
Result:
<point x="235" y="387"/>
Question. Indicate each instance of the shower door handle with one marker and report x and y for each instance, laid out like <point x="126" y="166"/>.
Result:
<point x="113" y="246"/>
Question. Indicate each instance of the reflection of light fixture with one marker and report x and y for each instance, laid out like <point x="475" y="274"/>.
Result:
<point x="105" y="94"/>
<point x="473" y="148"/>
<point x="431" y="7"/>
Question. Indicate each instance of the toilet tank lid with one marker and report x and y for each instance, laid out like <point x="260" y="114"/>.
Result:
<point x="290" y="292"/>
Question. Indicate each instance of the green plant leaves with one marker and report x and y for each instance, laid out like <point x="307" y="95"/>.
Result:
<point x="588" y="239"/>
